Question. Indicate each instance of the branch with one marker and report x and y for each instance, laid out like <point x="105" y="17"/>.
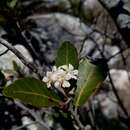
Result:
<point x="1" y="54"/>
<point x="93" y="29"/>
<point x="33" y="114"/>
<point x="117" y="96"/>
<point x="118" y="53"/>
<point x="23" y="126"/>
<point x="111" y="81"/>
<point x="19" y="55"/>
<point x="115" y="12"/>
<point x="76" y="118"/>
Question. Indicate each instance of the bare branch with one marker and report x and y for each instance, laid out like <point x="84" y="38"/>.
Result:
<point x="4" y="52"/>
<point x="118" y="53"/>
<point x="23" y="126"/>
<point x="33" y="114"/>
<point x="123" y="29"/>
<point x="113" y="87"/>
<point x="19" y="55"/>
<point x="117" y="96"/>
<point x="76" y="118"/>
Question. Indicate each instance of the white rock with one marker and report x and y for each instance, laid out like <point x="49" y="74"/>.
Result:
<point x="122" y="84"/>
<point x="6" y="60"/>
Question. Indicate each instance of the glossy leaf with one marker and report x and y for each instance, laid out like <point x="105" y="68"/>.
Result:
<point x="67" y="54"/>
<point x="90" y="78"/>
<point x="32" y="91"/>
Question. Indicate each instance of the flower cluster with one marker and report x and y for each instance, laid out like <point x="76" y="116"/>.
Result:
<point x="60" y="76"/>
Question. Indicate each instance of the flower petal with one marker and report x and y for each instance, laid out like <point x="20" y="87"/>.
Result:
<point x="54" y="68"/>
<point x="49" y="74"/>
<point x="74" y="77"/>
<point x="60" y="76"/>
<point x="61" y="72"/>
<point x="66" y="84"/>
<point x="57" y="84"/>
<point x="75" y="72"/>
<point x="68" y="76"/>
<point x="45" y="79"/>
<point x="53" y="77"/>
<point x="71" y="67"/>
<point x="64" y="67"/>
<point x="48" y="85"/>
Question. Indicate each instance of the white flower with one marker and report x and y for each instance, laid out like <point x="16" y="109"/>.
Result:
<point x="50" y="77"/>
<point x="70" y="72"/>
<point x="57" y="84"/>
<point x="67" y="67"/>
<point x="54" y="68"/>
<point x="59" y="77"/>
<point x="65" y="84"/>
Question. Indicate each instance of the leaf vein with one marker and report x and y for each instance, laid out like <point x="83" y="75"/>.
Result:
<point x="83" y="87"/>
<point x="36" y="94"/>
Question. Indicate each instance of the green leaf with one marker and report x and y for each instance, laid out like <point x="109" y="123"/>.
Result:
<point x="12" y="3"/>
<point x="32" y="91"/>
<point x="90" y="78"/>
<point x="67" y="54"/>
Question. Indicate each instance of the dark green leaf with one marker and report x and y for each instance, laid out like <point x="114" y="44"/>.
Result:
<point x="32" y="91"/>
<point x="90" y="78"/>
<point x="67" y="54"/>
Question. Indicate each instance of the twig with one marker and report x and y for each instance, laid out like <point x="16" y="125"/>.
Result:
<point x="19" y="55"/>
<point x="93" y="29"/>
<point x="100" y="51"/>
<point x="105" y="31"/>
<point x="91" y="114"/>
<point x="118" y="53"/>
<point x="76" y="118"/>
<point x="23" y="126"/>
<point x="1" y="54"/>
<point x="113" y="87"/>
<point x="117" y="96"/>
<point x="33" y="114"/>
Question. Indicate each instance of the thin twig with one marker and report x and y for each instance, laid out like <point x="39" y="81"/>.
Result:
<point x="91" y="114"/>
<point x="113" y="87"/>
<point x="19" y="55"/>
<point x="100" y="51"/>
<point x="33" y="114"/>
<point x="117" y="96"/>
<point x="23" y="126"/>
<point x="113" y="13"/>
<point x="76" y="118"/>
<point x="105" y="31"/>
<point x="118" y="53"/>
<point x="1" y="54"/>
